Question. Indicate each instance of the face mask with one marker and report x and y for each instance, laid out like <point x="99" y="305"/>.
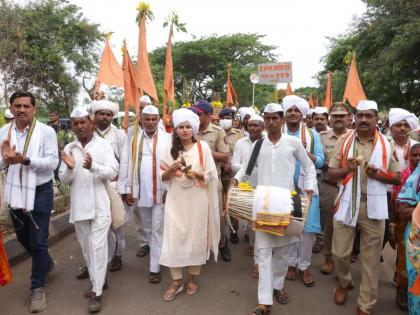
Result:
<point x="225" y="123"/>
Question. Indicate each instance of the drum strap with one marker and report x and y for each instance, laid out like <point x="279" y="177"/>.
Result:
<point x="254" y="156"/>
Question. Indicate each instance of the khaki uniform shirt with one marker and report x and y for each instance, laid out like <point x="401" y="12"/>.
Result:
<point x="230" y="139"/>
<point x="364" y="149"/>
<point x="331" y="142"/>
<point x="215" y="138"/>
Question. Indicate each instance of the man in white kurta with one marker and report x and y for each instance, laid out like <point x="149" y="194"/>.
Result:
<point x="88" y="166"/>
<point x="148" y="189"/>
<point x="275" y="167"/>
<point x="104" y="111"/>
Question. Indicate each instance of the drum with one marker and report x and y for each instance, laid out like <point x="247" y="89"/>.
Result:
<point x="239" y="202"/>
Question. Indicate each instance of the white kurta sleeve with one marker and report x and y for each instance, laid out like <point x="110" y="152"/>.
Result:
<point x="64" y="173"/>
<point x="236" y="157"/>
<point x="124" y="152"/>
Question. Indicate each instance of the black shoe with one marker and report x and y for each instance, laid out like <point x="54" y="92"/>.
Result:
<point x="88" y="293"/>
<point x="95" y="304"/>
<point x="115" y="264"/>
<point x="246" y="238"/>
<point x="233" y="238"/>
<point x="82" y="273"/>
<point x="143" y="251"/>
<point x="225" y="252"/>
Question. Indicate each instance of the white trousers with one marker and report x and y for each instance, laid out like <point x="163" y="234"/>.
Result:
<point x="300" y="253"/>
<point x="92" y="236"/>
<point x="116" y="238"/>
<point x="141" y="230"/>
<point x="152" y="219"/>
<point x="272" y="266"/>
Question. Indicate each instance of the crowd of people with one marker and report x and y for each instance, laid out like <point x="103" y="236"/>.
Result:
<point x="362" y="182"/>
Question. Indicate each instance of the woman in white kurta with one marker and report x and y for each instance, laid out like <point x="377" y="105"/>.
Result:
<point x="191" y="222"/>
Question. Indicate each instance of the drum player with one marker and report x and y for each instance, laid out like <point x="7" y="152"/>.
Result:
<point x="275" y="167"/>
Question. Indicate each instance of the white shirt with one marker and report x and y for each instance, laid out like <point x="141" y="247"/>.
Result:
<point x="143" y="191"/>
<point x="276" y="167"/>
<point x="119" y="142"/>
<point x="241" y="156"/>
<point x="47" y="160"/>
<point x="88" y="196"/>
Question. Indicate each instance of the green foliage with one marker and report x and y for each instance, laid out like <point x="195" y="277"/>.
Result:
<point x="47" y="46"/>
<point x="386" y="40"/>
<point x="200" y="67"/>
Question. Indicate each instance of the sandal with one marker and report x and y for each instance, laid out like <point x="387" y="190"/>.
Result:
<point x="175" y="288"/>
<point x="261" y="309"/>
<point x="281" y="296"/>
<point x="307" y="278"/>
<point x="154" y="277"/>
<point x="255" y="273"/>
<point x="291" y="273"/>
<point x="192" y="288"/>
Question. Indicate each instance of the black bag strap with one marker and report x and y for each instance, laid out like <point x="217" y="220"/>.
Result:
<point x="254" y="156"/>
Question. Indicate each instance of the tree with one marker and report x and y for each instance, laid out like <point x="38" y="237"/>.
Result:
<point x="47" y="47"/>
<point x="386" y="40"/>
<point x="200" y="66"/>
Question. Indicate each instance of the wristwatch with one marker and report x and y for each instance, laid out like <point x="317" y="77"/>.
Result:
<point x="26" y="161"/>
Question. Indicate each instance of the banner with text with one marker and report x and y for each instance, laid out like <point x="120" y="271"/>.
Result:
<point x="273" y="73"/>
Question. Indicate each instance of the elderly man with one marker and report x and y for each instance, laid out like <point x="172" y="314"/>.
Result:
<point x="144" y="248"/>
<point x="146" y="185"/>
<point x="215" y="138"/>
<point x="88" y="166"/>
<point x="276" y="163"/>
<point x="364" y="165"/>
<point x="232" y="136"/>
<point x="331" y="140"/>
<point x="245" y="113"/>
<point x="29" y="152"/>
<point x="104" y="111"/>
<point x="295" y="109"/>
<point x="401" y="122"/>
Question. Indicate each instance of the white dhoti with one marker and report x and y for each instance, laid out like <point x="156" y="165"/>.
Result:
<point x="300" y="254"/>
<point x="272" y="266"/>
<point x="152" y="220"/>
<point x="92" y="236"/>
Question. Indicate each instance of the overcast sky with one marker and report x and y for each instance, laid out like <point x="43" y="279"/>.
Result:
<point x="297" y="27"/>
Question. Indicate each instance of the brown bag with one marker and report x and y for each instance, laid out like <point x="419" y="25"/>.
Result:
<point x="117" y="207"/>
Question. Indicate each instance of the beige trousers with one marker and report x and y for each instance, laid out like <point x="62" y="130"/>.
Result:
<point x="371" y="238"/>
<point x="176" y="272"/>
<point x="327" y="195"/>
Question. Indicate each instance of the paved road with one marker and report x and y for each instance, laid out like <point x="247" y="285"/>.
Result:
<point x="225" y="288"/>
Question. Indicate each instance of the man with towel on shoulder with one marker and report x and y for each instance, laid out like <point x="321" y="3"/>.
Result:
<point x="29" y="152"/>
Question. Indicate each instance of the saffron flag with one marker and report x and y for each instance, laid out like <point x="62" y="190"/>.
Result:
<point x="289" y="89"/>
<point x="168" y="80"/>
<point x="110" y="71"/>
<point x="144" y="74"/>
<point x="354" y="90"/>
<point x="311" y="101"/>
<point x="231" y="96"/>
<point x="328" y="94"/>
<point x="5" y="272"/>
<point x="131" y="90"/>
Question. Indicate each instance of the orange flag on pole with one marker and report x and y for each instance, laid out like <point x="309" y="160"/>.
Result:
<point x="110" y="71"/>
<point x="354" y="90"/>
<point x="144" y="74"/>
<point x="311" y="101"/>
<point x="131" y="91"/>
<point x="328" y="94"/>
<point x="168" y="81"/>
<point x="289" y="89"/>
<point x="231" y="96"/>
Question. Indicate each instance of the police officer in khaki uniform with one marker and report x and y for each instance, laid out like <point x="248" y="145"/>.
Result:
<point x="349" y="165"/>
<point x="215" y="138"/>
<point x="232" y="136"/>
<point x="331" y="139"/>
